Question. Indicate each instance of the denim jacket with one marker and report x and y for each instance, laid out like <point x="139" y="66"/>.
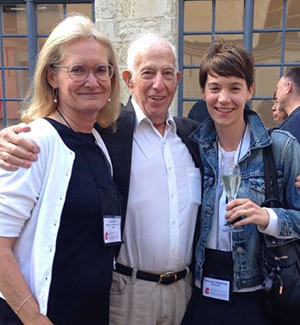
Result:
<point x="246" y="244"/>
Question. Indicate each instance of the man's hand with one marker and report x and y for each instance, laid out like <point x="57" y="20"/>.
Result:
<point x="15" y="150"/>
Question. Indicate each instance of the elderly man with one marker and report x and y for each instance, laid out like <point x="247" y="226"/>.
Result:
<point x="288" y="99"/>
<point x="156" y="168"/>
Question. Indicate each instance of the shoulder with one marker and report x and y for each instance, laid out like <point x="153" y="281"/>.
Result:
<point x="44" y="135"/>
<point x="283" y="140"/>
<point x="185" y="123"/>
<point x="41" y="129"/>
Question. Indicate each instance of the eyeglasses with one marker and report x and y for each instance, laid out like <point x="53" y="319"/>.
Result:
<point x="80" y="72"/>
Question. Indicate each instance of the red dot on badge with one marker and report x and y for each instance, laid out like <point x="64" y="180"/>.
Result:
<point x="206" y="290"/>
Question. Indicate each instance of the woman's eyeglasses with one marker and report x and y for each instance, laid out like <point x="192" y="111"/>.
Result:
<point x="80" y="72"/>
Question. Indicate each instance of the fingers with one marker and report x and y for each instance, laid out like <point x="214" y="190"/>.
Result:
<point x="15" y="150"/>
<point x="10" y="136"/>
<point x="29" y="148"/>
<point x="297" y="183"/>
<point x="22" y="127"/>
<point x="250" y="213"/>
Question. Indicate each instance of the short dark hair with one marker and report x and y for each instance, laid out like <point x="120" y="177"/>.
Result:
<point x="227" y="59"/>
<point x="293" y="74"/>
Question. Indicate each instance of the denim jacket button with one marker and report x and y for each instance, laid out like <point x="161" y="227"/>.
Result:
<point x="240" y="250"/>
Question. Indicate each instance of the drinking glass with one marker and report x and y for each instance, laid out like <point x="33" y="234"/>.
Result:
<point x="231" y="180"/>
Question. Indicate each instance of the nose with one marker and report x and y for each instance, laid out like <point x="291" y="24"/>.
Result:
<point x="224" y="96"/>
<point x="91" y="81"/>
<point x="158" y="82"/>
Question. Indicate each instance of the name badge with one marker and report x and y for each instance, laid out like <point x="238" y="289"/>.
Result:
<point x="215" y="288"/>
<point x="111" y="229"/>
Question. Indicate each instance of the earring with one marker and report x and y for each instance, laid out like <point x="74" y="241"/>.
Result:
<point x="109" y="100"/>
<point x="54" y="92"/>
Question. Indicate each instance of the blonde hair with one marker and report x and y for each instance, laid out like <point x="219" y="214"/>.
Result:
<point x="39" y="102"/>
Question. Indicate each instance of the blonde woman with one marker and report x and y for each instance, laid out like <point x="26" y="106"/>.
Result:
<point x="60" y="220"/>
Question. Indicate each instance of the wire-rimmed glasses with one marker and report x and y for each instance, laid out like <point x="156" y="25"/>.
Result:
<point x="80" y="72"/>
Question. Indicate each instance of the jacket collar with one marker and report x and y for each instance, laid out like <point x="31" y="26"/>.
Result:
<point x="205" y="134"/>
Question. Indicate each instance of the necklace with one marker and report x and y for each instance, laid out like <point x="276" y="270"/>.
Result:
<point x="60" y="113"/>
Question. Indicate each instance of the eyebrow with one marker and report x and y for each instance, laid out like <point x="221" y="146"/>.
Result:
<point x="236" y="83"/>
<point x="154" y="67"/>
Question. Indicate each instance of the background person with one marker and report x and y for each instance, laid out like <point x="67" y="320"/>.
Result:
<point x="288" y="98"/>
<point x="232" y="133"/>
<point x="56" y="243"/>
<point x="278" y="116"/>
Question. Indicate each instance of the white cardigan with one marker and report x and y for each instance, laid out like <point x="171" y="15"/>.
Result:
<point x="31" y="203"/>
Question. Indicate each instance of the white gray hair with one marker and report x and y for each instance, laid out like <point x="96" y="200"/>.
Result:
<point x="144" y="42"/>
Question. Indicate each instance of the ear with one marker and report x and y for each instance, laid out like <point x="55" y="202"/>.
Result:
<point x="289" y="87"/>
<point x="51" y="78"/>
<point x="250" y="92"/>
<point x="178" y="77"/>
<point x="127" y="77"/>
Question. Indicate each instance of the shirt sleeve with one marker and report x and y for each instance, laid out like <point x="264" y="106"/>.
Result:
<point x="273" y="228"/>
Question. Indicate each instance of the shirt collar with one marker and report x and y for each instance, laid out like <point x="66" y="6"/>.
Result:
<point x="141" y="117"/>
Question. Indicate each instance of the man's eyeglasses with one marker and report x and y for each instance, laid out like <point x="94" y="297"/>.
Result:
<point x="80" y="72"/>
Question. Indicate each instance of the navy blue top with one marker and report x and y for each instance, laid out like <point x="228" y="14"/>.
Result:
<point x="82" y="269"/>
<point x="292" y="124"/>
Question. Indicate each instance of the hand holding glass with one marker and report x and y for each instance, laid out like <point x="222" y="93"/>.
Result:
<point x="231" y="180"/>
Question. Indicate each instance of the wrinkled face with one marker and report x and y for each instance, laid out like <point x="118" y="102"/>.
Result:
<point x="226" y="98"/>
<point x="154" y="83"/>
<point x="88" y="96"/>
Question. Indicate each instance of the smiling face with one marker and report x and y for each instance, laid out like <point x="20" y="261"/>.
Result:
<point x="226" y="98"/>
<point x="154" y="82"/>
<point x="85" y="98"/>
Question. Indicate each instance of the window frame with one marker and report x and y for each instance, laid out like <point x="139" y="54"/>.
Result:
<point x="248" y="32"/>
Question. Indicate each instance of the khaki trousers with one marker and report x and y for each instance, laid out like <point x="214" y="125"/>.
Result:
<point x="138" y="302"/>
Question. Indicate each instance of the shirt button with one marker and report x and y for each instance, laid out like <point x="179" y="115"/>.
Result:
<point x="174" y="221"/>
<point x="240" y="250"/>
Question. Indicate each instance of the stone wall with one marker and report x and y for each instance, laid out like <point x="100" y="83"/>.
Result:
<point x="123" y="20"/>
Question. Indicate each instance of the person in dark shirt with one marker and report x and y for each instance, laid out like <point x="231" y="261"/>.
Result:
<point x="288" y="98"/>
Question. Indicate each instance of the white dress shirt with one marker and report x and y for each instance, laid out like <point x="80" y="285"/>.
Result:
<point x="164" y="196"/>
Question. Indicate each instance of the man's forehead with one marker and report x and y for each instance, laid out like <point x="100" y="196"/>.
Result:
<point x="156" y="57"/>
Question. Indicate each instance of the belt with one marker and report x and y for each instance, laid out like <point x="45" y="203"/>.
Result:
<point x="165" y="278"/>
